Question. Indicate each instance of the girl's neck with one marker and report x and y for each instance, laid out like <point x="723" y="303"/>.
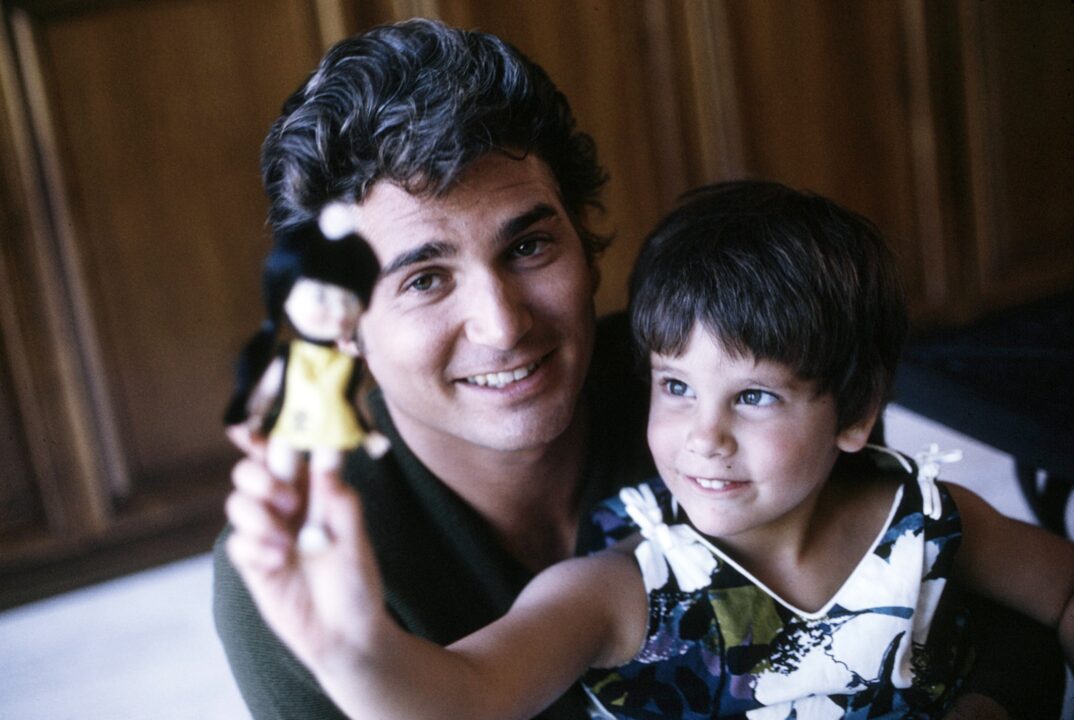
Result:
<point x="807" y="559"/>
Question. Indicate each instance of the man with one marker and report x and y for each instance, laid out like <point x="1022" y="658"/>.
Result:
<point x="509" y="409"/>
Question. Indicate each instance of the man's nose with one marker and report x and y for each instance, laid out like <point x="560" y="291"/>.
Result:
<point x="498" y="315"/>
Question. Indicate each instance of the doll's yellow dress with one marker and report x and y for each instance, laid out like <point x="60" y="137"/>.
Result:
<point x="316" y="411"/>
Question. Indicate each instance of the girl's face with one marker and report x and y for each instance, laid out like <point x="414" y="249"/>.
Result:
<point x="320" y="311"/>
<point x="744" y="445"/>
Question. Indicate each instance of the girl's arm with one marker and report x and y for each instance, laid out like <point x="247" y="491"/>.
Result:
<point x="328" y="608"/>
<point x="1017" y="564"/>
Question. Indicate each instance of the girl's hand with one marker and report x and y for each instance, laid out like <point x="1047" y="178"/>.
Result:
<point x="314" y="602"/>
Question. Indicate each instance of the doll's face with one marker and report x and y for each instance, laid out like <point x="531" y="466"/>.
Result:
<point x="321" y="311"/>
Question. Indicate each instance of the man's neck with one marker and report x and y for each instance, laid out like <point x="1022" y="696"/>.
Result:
<point x="531" y="498"/>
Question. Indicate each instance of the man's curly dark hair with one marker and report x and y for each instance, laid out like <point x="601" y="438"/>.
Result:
<point x="415" y="103"/>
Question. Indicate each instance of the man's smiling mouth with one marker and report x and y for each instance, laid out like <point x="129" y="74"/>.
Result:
<point x="502" y="379"/>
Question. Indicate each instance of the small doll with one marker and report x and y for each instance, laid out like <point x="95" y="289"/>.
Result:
<point x="299" y="394"/>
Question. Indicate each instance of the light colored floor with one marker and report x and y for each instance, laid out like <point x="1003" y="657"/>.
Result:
<point x="137" y="648"/>
<point x="143" y="647"/>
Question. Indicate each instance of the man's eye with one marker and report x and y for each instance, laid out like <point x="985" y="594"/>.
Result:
<point x="758" y="398"/>
<point x="527" y="247"/>
<point x="423" y="282"/>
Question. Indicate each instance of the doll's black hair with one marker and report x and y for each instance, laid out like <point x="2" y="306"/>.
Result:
<point x="302" y="251"/>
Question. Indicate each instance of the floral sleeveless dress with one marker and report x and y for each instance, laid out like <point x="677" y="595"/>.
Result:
<point x="890" y="644"/>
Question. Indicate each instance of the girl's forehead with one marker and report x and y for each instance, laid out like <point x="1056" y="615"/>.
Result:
<point x="700" y="336"/>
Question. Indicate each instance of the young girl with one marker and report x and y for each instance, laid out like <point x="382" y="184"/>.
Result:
<point x="772" y="574"/>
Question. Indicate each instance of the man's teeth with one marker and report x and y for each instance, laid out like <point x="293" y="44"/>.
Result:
<point x="711" y="484"/>
<point x="502" y="379"/>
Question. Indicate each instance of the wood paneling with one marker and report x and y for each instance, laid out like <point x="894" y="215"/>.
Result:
<point x="1018" y="63"/>
<point x="137" y="219"/>
<point x="824" y="100"/>
<point x="159" y="109"/>
<point x="132" y="214"/>
<point x="20" y="501"/>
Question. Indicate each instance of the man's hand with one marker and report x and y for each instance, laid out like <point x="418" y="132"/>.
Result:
<point x="322" y="605"/>
<point x="252" y="444"/>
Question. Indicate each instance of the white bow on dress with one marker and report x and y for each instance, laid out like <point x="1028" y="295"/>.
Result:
<point x="676" y="546"/>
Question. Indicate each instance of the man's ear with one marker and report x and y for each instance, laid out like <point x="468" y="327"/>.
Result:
<point x="853" y="438"/>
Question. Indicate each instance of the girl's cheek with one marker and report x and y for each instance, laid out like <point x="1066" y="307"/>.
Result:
<point x="661" y="436"/>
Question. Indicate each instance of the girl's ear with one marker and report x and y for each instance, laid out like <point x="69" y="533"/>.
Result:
<point x="853" y="438"/>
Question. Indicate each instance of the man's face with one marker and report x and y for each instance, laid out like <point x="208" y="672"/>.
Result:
<point x="480" y="329"/>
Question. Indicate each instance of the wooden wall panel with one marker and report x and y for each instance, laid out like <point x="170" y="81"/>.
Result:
<point x="1018" y="61"/>
<point x="825" y="102"/>
<point x="49" y="408"/>
<point x="158" y="111"/>
<point x="20" y="501"/>
<point x="133" y="218"/>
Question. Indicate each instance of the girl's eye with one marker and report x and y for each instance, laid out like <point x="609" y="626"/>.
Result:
<point x="676" y="387"/>
<point x="759" y="398"/>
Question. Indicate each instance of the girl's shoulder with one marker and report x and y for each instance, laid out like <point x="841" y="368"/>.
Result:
<point x="611" y="522"/>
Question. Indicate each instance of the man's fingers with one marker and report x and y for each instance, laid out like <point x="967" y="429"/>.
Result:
<point x="248" y="554"/>
<point x="245" y="439"/>
<point x="334" y="507"/>
<point x="258" y="520"/>
<point x="253" y="479"/>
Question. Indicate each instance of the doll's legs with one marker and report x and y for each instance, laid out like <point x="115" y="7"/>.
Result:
<point x="313" y="537"/>
<point x="283" y="460"/>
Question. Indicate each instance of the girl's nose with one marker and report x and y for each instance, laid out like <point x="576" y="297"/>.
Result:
<point x="710" y="436"/>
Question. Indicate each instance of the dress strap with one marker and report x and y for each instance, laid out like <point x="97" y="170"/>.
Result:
<point x="928" y="461"/>
<point x="676" y="546"/>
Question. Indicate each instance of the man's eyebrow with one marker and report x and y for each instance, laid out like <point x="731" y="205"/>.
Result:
<point x="516" y="225"/>
<point x="438" y="249"/>
<point x="422" y="253"/>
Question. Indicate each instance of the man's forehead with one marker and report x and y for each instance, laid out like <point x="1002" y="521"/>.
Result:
<point x="491" y="194"/>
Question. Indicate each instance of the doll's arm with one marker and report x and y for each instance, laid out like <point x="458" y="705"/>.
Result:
<point x="246" y="435"/>
<point x="328" y="608"/>
<point x="1017" y="564"/>
<point x="267" y="390"/>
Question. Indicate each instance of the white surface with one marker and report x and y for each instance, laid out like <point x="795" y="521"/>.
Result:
<point x="141" y="647"/>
